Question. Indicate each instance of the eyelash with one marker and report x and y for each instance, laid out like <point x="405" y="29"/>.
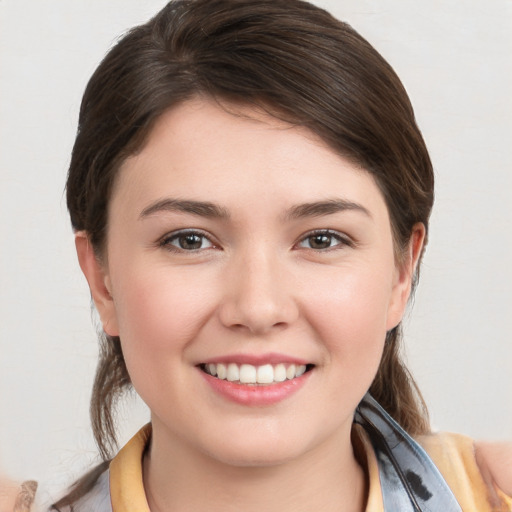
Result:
<point x="166" y="242"/>
<point x="342" y="240"/>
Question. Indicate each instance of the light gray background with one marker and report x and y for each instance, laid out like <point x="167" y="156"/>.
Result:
<point x="454" y="59"/>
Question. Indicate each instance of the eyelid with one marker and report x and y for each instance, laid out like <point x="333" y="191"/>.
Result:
<point x="343" y="238"/>
<point x="165" y="240"/>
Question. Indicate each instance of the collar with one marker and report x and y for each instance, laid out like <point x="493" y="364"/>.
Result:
<point x="400" y="473"/>
<point x="126" y="482"/>
<point x="409" y="479"/>
<point x="127" y="485"/>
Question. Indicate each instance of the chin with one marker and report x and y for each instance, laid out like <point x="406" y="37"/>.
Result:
<point x="254" y="458"/>
<point x="264" y="449"/>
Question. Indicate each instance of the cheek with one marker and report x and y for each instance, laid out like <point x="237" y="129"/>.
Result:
<point x="354" y="301"/>
<point x="159" y="316"/>
<point x="159" y="313"/>
<point x="350" y="318"/>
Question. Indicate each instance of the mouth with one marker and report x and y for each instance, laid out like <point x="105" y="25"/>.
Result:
<point x="251" y="375"/>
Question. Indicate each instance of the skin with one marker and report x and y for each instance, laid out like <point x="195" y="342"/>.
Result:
<point x="495" y="462"/>
<point x="16" y="496"/>
<point x="8" y="492"/>
<point x="256" y="284"/>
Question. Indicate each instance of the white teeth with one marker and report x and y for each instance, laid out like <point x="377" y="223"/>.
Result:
<point x="280" y="373"/>
<point x="249" y="374"/>
<point x="232" y="374"/>
<point x="221" y="371"/>
<point x="300" y="370"/>
<point x="290" y="371"/>
<point x="265" y="374"/>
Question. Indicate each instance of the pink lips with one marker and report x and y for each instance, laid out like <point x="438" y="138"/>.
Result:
<point x="256" y="395"/>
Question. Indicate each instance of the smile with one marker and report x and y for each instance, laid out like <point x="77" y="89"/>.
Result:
<point x="249" y="374"/>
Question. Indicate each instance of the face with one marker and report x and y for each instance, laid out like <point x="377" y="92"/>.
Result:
<point x="250" y="274"/>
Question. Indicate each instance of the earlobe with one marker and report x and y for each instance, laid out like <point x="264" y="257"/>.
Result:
<point x="99" y="283"/>
<point x="406" y="271"/>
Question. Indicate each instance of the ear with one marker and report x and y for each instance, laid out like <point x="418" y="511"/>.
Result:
<point x="405" y="272"/>
<point x="99" y="283"/>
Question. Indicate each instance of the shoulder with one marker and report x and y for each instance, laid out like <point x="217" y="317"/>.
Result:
<point x="495" y="462"/>
<point x="464" y="467"/>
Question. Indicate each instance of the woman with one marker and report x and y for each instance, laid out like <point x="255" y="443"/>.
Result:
<point x="251" y="196"/>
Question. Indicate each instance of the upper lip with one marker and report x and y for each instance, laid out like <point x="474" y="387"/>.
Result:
<point x="257" y="359"/>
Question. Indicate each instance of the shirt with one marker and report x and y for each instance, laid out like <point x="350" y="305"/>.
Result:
<point x="453" y="454"/>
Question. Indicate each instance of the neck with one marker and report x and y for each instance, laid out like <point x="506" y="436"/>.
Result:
<point x="178" y="479"/>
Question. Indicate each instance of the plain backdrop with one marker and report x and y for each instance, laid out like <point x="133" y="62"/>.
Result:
<point x="454" y="59"/>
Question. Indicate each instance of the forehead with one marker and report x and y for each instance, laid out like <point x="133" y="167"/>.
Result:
<point x="201" y="150"/>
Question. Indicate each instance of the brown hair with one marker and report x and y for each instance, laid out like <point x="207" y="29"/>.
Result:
<point x="288" y="57"/>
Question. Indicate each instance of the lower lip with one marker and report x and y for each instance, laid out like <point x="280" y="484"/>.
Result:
<point x="256" y="395"/>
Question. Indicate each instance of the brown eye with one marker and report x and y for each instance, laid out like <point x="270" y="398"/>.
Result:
<point x="190" y="242"/>
<point x="187" y="241"/>
<point x="323" y="240"/>
<point x="320" y="241"/>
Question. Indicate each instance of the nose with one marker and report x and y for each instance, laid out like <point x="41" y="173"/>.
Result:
<point x="258" y="295"/>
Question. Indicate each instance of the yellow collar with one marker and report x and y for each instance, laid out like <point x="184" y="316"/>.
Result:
<point x="127" y="485"/>
<point x="453" y="454"/>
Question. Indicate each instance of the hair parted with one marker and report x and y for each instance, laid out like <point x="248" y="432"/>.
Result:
<point x="293" y="60"/>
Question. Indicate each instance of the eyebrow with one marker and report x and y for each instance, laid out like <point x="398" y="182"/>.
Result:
<point x="211" y="210"/>
<point x="329" y="207"/>
<point x="200" y="208"/>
